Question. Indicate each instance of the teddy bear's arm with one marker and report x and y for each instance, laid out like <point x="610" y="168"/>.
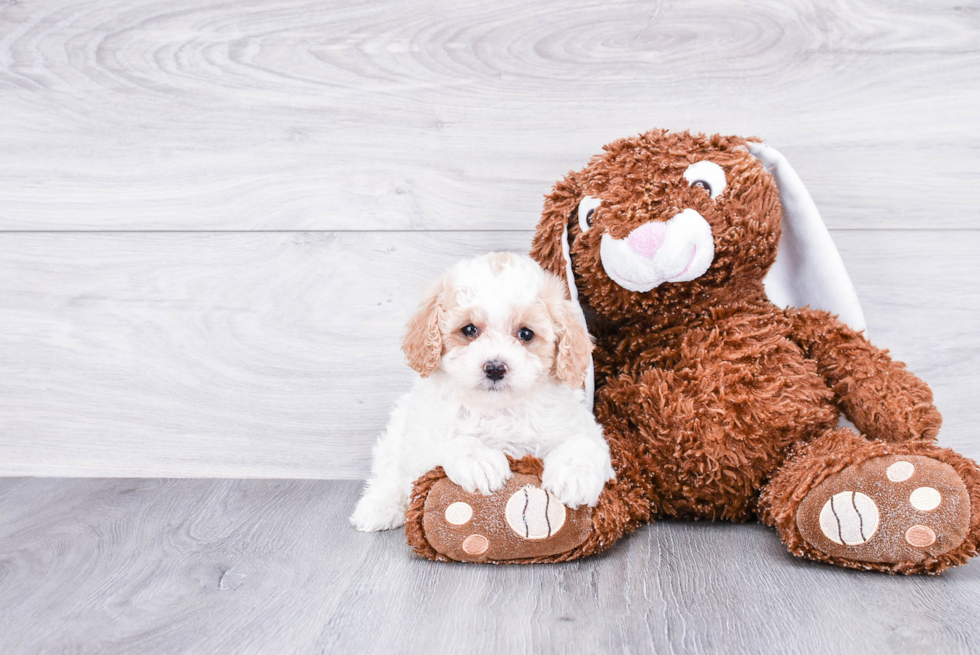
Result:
<point x="879" y="395"/>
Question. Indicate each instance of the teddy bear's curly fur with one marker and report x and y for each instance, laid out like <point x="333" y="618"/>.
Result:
<point x="719" y="405"/>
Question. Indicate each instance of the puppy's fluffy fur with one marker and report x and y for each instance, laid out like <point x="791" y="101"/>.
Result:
<point x="460" y="417"/>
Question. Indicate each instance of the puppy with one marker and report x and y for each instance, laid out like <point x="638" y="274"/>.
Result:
<point x="502" y="355"/>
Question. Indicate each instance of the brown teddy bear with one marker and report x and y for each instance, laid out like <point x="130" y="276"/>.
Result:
<point x="716" y="402"/>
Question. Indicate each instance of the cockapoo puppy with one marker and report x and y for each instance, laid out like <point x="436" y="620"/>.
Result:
<point x="502" y="355"/>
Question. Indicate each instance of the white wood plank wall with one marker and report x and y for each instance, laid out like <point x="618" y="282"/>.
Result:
<point x="215" y="218"/>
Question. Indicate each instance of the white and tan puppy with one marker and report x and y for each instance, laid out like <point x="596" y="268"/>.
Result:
<point x="502" y="355"/>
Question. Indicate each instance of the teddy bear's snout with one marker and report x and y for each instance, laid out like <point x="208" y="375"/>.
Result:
<point x="678" y="250"/>
<point x="647" y="239"/>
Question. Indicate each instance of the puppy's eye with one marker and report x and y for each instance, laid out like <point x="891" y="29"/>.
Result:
<point x="706" y="175"/>
<point x="525" y="335"/>
<point x="470" y="331"/>
<point x="586" y="212"/>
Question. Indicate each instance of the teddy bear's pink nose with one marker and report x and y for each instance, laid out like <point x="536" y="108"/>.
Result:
<point x="647" y="239"/>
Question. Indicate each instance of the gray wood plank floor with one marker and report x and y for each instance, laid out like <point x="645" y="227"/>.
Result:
<point x="232" y="566"/>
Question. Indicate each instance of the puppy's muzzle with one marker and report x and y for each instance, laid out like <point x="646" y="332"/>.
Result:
<point x="495" y="370"/>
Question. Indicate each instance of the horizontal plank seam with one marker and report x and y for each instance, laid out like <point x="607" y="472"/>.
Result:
<point x="82" y="475"/>
<point x="431" y="231"/>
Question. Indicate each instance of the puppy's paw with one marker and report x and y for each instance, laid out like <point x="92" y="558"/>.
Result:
<point x="376" y="513"/>
<point x="485" y="471"/>
<point x="575" y="482"/>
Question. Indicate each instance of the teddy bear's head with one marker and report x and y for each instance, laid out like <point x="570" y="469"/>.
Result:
<point x="662" y="218"/>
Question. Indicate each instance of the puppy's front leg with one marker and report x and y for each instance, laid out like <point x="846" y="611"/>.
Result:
<point x="475" y="467"/>
<point x="577" y="470"/>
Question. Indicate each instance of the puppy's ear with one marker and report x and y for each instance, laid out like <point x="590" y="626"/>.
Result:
<point x="573" y="345"/>
<point x="423" y="343"/>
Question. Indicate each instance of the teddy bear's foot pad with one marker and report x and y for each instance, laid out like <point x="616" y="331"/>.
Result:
<point x="520" y="521"/>
<point x="896" y="508"/>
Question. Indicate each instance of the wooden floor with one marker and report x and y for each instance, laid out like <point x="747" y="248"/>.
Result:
<point x="259" y="566"/>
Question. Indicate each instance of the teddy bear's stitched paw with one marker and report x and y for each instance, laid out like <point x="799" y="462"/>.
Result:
<point x="482" y="471"/>
<point x="897" y="508"/>
<point x="520" y="521"/>
<point x="375" y="513"/>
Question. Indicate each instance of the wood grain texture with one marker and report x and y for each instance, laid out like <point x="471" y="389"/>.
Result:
<point x="277" y="355"/>
<point x="208" y="354"/>
<point x="178" y="566"/>
<point x="304" y="114"/>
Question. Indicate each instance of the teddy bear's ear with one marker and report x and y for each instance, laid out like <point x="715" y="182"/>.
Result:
<point x="550" y="249"/>
<point x="550" y="245"/>
<point x="579" y="315"/>
<point x="808" y="269"/>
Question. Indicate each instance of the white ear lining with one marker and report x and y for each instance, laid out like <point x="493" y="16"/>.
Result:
<point x="808" y="268"/>
<point x="573" y="294"/>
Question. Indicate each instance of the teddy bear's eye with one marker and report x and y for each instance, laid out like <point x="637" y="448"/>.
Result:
<point x="586" y="212"/>
<point x="701" y="184"/>
<point x="706" y="175"/>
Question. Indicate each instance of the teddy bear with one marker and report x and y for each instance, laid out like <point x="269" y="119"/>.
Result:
<point x="718" y="402"/>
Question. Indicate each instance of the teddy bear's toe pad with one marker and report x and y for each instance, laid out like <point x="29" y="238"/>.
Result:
<point x="518" y="522"/>
<point x="887" y="509"/>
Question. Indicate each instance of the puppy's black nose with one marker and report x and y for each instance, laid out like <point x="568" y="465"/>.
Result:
<point x="495" y="370"/>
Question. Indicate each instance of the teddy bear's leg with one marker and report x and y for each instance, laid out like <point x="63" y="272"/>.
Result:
<point x="879" y="395"/>
<point x="909" y="507"/>
<point x="518" y="524"/>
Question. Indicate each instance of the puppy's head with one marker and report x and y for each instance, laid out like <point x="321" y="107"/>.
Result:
<point x="499" y="326"/>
